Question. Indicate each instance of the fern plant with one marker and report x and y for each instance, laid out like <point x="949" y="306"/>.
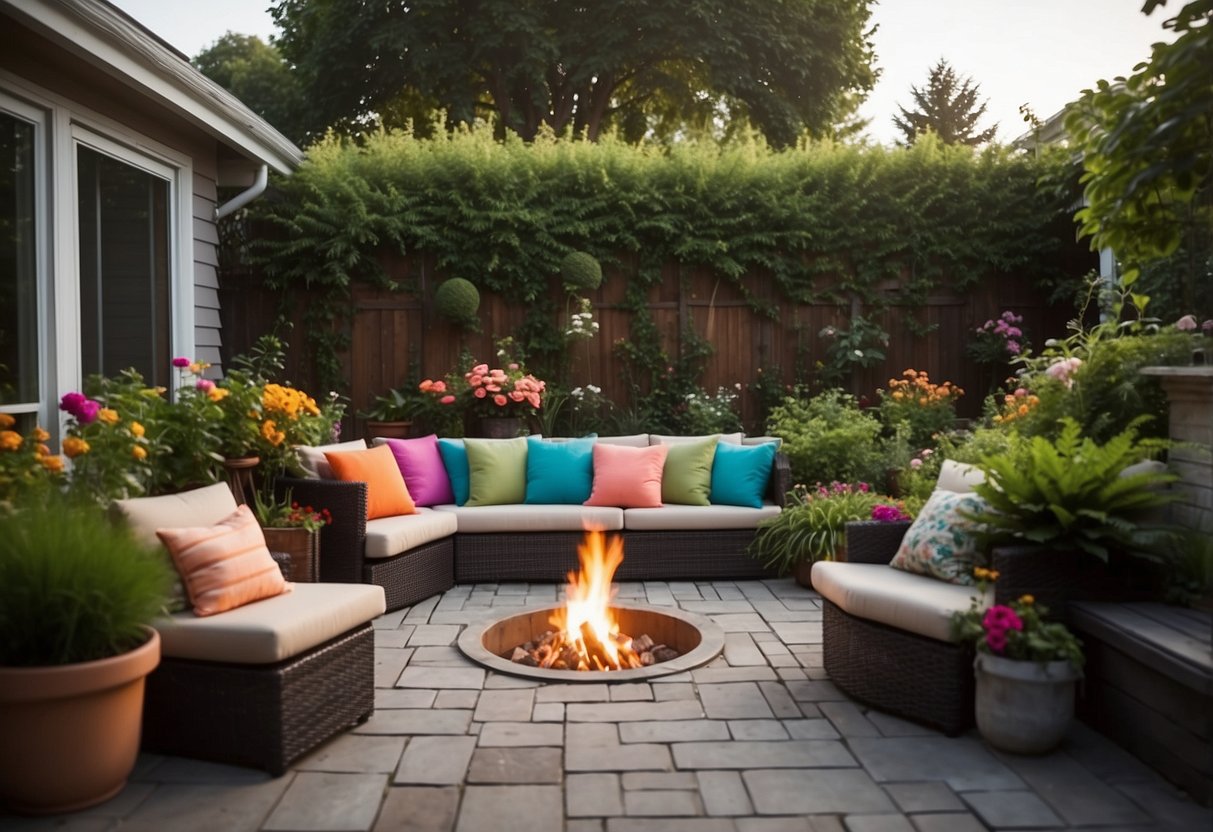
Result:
<point x="1073" y="494"/>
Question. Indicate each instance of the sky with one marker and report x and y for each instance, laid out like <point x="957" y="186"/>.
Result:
<point x="1037" y="52"/>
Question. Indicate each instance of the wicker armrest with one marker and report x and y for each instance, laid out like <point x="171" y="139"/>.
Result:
<point x="1047" y="575"/>
<point x="873" y="541"/>
<point x="343" y="541"/>
<point x="781" y="479"/>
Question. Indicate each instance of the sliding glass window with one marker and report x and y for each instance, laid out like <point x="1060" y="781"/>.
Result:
<point x="19" y="220"/>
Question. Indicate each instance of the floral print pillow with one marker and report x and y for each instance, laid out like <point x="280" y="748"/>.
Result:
<point x="941" y="543"/>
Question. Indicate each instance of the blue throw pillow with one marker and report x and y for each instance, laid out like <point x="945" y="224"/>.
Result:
<point x="740" y="474"/>
<point x="559" y="473"/>
<point x="455" y="460"/>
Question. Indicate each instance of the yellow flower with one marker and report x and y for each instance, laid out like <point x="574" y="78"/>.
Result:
<point x="10" y="440"/>
<point x="1027" y="599"/>
<point x="54" y="464"/>
<point x="271" y="434"/>
<point x="41" y="435"/>
<point x="217" y="394"/>
<point x="139" y="452"/>
<point x="152" y="392"/>
<point x="7" y="421"/>
<point x="137" y="430"/>
<point x="73" y="446"/>
<point x="110" y="417"/>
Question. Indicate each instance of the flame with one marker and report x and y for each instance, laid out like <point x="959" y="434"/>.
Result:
<point x="588" y="603"/>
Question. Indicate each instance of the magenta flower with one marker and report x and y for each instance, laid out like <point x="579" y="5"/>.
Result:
<point x="88" y="412"/>
<point x="181" y="362"/>
<point x="205" y="385"/>
<point x="888" y="514"/>
<point x="1001" y="617"/>
<point x="72" y="402"/>
<point x="997" y="640"/>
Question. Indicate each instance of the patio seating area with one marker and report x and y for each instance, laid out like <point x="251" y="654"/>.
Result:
<point x="757" y="740"/>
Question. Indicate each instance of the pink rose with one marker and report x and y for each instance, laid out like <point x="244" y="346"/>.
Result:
<point x="513" y="366"/>
<point x="447" y="400"/>
<point x="481" y="369"/>
<point x="480" y="392"/>
<point x="205" y="385"/>
<point x="438" y="387"/>
<point x="915" y="463"/>
<point x="500" y="400"/>
<point x="1186" y="324"/>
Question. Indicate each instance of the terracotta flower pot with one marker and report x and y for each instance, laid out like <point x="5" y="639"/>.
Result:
<point x="70" y="733"/>
<point x="389" y="430"/>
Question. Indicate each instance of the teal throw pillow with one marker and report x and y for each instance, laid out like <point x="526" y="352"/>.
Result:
<point x="496" y="471"/>
<point x="740" y="474"/>
<point x="455" y="460"/>
<point x="559" y="473"/>
<point x="687" y="476"/>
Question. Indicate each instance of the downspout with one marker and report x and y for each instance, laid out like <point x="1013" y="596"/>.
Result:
<point x="245" y="197"/>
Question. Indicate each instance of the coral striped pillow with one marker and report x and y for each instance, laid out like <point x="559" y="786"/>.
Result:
<point x="226" y="565"/>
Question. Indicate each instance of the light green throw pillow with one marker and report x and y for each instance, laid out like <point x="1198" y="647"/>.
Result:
<point x="496" y="471"/>
<point x="687" y="477"/>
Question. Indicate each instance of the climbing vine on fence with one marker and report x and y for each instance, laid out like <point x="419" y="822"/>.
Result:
<point x="826" y="222"/>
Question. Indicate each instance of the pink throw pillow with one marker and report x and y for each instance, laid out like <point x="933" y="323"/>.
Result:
<point x="627" y="477"/>
<point x="424" y="474"/>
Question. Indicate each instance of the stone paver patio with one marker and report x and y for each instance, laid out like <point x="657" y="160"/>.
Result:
<point x="757" y="741"/>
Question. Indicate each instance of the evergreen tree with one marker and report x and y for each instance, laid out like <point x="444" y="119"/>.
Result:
<point x="947" y="107"/>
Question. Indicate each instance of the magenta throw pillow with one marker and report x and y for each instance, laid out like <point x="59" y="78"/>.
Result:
<point x="424" y="474"/>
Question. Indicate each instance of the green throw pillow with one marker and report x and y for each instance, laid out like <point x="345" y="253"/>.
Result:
<point x="687" y="477"/>
<point x="496" y="470"/>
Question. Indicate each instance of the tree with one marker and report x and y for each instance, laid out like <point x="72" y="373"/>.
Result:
<point x="590" y="65"/>
<point x="255" y="72"/>
<point x="947" y="107"/>
<point x="1147" y="154"/>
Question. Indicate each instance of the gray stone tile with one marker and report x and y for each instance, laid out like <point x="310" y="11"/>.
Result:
<point x="713" y="675"/>
<point x="498" y="681"/>
<point x="516" y="765"/>
<point x="1168" y="806"/>
<point x="746" y="622"/>
<point x="572" y="693"/>
<point x="434" y="634"/>
<point x="584" y="825"/>
<point x="662" y="804"/>
<point x="661" y="780"/>
<point x="389" y="621"/>
<point x="444" y="656"/>
<point x="1073" y="792"/>
<point x="467" y="615"/>
<point x="548" y="712"/>
<point x="826" y="791"/>
<point x="849" y="720"/>
<point x="591" y="734"/>
<point x="418" y="809"/>
<point x="632" y="757"/>
<point x="891" y="726"/>
<point x="118" y="806"/>
<point x="963" y="763"/>
<point x="811" y="729"/>
<point x="947" y="823"/>
<point x="185" y="770"/>
<point x="723" y="793"/>
<point x="513" y="734"/>
<point x="757" y="729"/>
<point x="878" y="823"/>
<point x="639" y="692"/>
<point x="633" y="711"/>
<point x="435" y="761"/>
<point x="79" y="822"/>
<point x="513" y="589"/>
<point x="734" y="700"/>
<point x="457" y="699"/>
<point x="393" y="638"/>
<point x="504" y="705"/>
<point x="593" y="795"/>
<point x="755" y="590"/>
<point x="1019" y="810"/>
<point x="328" y="803"/>
<point x="677" y="690"/>
<point x="684" y="590"/>
<point x="684" y="730"/>
<point x="798" y="632"/>
<point x="781" y="702"/>
<point x="812" y="691"/>
<point x="511" y="809"/>
<point x="700" y="824"/>
<point x="727" y="591"/>
<point x="353" y="753"/>
<point x="420" y="612"/>
<point x="787" y="754"/>
<point x="404" y="721"/>
<point x="197" y="808"/>
<point x="784" y="824"/>
<point x="924" y="797"/>
<point x="778" y="611"/>
<point x="441" y="677"/>
<point x="723" y="607"/>
<point x="404" y="698"/>
<point x="389" y="662"/>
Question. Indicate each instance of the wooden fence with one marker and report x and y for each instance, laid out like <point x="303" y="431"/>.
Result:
<point x="397" y="334"/>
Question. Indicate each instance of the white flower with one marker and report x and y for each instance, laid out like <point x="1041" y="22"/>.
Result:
<point x="593" y="389"/>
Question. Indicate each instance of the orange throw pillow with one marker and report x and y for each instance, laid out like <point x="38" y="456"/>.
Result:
<point x="226" y="565"/>
<point x="386" y="493"/>
<point x="627" y="477"/>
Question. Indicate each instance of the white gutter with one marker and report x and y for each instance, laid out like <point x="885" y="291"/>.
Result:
<point x="246" y="196"/>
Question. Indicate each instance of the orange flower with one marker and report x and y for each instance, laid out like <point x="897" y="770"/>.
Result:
<point x="137" y="430"/>
<point x="217" y="394"/>
<point x="10" y="440"/>
<point x="54" y="464"/>
<point x="73" y="446"/>
<point x="41" y="435"/>
<point x="108" y="415"/>
<point x="6" y="421"/>
<point x="139" y="452"/>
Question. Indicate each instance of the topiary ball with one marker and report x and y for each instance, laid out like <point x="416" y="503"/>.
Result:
<point x="457" y="300"/>
<point x="581" y="271"/>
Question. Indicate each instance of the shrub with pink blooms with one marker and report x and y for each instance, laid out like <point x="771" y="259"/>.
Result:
<point x="998" y="340"/>
<point x="484" y="390"/>
<point x="1019" y="630"/>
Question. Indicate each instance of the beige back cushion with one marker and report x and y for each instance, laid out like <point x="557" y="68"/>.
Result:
<point x="633" y="440"/>
<point x="958" y="477"/>
<point x="200" y="507"/>
<point x="315" y="465"/>
<point x="661" y="439"/>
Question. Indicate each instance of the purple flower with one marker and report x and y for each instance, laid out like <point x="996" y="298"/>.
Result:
<point x="1207" y="326"/>
<point x="1013" y="347"/>
<point x="179" y="361"/>
<point x="1014" y="332"/>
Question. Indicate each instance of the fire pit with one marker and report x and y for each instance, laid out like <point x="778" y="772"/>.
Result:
<point x="591" y="638"/>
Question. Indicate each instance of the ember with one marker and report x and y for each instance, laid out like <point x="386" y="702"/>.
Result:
<point x="585" y="634"/>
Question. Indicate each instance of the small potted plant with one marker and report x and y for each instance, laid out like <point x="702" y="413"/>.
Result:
<point x="1026" y="669"/>
<point x="294" y="529"/>
<point x="77" y="595"/>
<point x="391" y="414"/>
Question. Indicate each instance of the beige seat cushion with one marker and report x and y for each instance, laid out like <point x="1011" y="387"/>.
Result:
<point x="272" y="630"/>
<point x="691" y="518"/>
<point x="389" y="536"/>
<point x="200" y="507"/>
<point x="534" y="518"/>
<point x="908" y="602"/>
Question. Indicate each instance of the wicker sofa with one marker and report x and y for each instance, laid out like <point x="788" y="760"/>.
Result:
<point x="416" y="556"/>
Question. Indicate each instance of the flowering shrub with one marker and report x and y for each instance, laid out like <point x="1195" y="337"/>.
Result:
<point x="1015" y="631"/>
<point x="924" y="407"/>
<point x="712" y="413"/>
<point x="997" y="341"/>
<point x="288" y="514"/>
<point x="489" y="391"/>
<point x="1017" y="405"/>
<point x="112" y="455"/>
<point x="581" y="323"/>
<point x="885" y="513"/>
<point x="28" y="470"/>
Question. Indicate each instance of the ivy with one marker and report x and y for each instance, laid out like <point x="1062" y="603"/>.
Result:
<point x="824" y="223"/>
